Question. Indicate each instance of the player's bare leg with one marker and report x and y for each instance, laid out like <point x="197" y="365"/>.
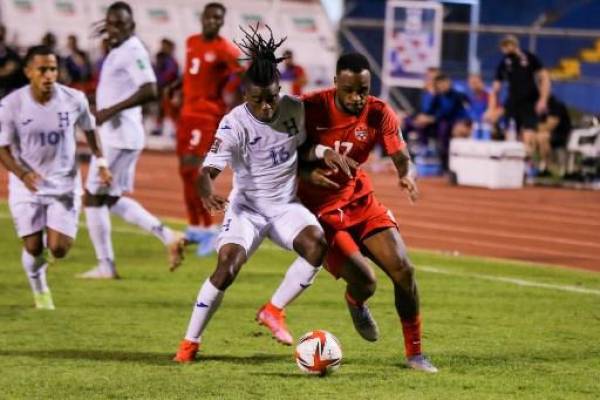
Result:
<point x="361" y="285"/>
<point x="97" y="209"/>
<point x="231" y="258"/>
<point x="388" y="251"/>
<point x="59" y="244"/>
<point x="310" y="244"/>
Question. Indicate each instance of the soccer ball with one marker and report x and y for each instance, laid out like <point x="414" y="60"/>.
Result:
<point x="318" y="353"/>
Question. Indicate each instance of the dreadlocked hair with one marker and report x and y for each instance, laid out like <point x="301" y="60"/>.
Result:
<point x="263" y="68"/>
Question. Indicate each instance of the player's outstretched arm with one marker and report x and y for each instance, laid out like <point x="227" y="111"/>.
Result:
<point x="92" y="140"/>
<point x="213" y="202"/>
<point x="406" y="173"/>
<point x="29" y="178"/>
<point x="146" y="93"/>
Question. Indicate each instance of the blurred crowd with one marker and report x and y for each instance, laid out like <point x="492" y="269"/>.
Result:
<point x="81" y="70"/>
<point x="523" y="110"/>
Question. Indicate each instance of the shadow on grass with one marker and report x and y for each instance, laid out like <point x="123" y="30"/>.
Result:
<point x="300" y="375"/>
<point x="140" y="357"/>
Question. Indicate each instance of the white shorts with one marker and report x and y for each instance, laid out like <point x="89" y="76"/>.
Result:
<point x="247" y="228"/>
<point x="33" y="213"/>
<point x="121" y="163"/>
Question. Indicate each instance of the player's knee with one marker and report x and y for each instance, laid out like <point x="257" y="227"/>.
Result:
<point x="229" y="264"/>
<point x="311" y="245"/>
<point x="404" y="272"/>
<point x="35" y="249"/>
<point x="59" y="250"/>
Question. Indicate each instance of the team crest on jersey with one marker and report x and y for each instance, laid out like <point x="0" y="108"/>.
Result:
<point x="210" y="57"/>
<point x="216" y="145"/>
<point x="361" y="133"/>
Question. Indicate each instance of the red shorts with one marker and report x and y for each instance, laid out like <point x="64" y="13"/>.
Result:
<point x="195" y="134"/>
<point x="347" y="227"/>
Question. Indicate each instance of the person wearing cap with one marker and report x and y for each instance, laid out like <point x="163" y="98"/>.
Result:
<point x="528" y="89"/>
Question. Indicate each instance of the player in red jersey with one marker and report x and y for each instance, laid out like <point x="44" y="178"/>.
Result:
<point x="210" y="62"/>
<point x="357" y="226"/>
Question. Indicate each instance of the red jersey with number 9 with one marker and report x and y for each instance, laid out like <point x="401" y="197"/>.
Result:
<point x="351" y="135"/>
<point x="208" y="66"/>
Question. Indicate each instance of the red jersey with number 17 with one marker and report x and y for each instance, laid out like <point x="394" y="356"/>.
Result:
<point x="352" y="135"/>
<point x="208" y="66"/>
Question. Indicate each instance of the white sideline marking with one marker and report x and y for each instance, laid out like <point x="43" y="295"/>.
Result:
<point x="514" y="281"/>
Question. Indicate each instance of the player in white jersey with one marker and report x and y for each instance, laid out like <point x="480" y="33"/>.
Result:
<point x="259" y="141"/>
<point x="126" y="82"/>
<point x="38" y="148"/>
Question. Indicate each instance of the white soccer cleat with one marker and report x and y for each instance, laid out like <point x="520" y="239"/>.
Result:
<point x="421" y="363"/>
<point x="176" y="249"/>
<point x="43" y="301"/>
<point x="99" y="273"/>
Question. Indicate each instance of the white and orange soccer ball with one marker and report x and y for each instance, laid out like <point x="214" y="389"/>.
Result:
<point x="318" y="353"/>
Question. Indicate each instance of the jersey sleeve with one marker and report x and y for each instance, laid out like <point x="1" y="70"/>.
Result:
<point x="7" y="126"/>
<point x="224" y="146"/>
<point x="86" y="119"/>
<point x="139" y="68"/>
<point x="535" y="63"/>
<point x="391" y="135"/>
<point x="500" y="71"/>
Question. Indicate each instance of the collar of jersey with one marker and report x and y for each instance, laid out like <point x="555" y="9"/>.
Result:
<point x="257" y="120"/>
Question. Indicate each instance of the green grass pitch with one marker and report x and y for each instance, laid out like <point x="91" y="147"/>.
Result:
<point x="496" y="330"/>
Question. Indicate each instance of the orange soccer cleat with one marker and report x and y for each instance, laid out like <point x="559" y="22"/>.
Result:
<point x="274" y="319"/>
<point x="187" y="352"/>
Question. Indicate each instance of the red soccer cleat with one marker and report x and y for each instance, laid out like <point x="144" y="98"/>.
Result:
<point x="187" y="352"/>
<point x="274" y="319"/>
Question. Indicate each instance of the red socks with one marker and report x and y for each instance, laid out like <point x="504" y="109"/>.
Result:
<point x="195" y="209"/>
<point x="412" y="336"/>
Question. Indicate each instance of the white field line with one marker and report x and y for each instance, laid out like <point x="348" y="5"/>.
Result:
<point x="514" y="281"/>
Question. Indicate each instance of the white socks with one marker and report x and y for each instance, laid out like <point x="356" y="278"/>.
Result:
<point x="299" y="276"/>
<point x="99" y="226"/>
<point x="209" y="299"/>
<point x="35" y="268"/>
<point x="133" y="212"/>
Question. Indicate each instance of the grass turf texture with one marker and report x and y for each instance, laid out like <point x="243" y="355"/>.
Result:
<point x="114" y="340"/>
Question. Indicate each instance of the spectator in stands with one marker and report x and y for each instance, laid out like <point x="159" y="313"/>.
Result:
<point x="478" y="98"/>
<point x="293" y="78"/>
<point x="428" y="92"/>
<point x="49" y="40"/>
<point x="97" y="67"/>
<point x="448" y="113"/>
<point x="553" y="133"/>
<point x="78" y="66"/>
<point x="166" y="69"/>
<point x="165" y="64"/>
<point x="11" y="71"/>
<point x="528" y="89"/>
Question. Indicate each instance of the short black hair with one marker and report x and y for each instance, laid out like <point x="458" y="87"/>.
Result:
<point x="354" y="62"/>
<point x="263" y="69"/>
<point x="40" y="50"/>
<point x="216" y="5"/>
<point x="441" y="77"/>
<point x="120" y="5"/>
